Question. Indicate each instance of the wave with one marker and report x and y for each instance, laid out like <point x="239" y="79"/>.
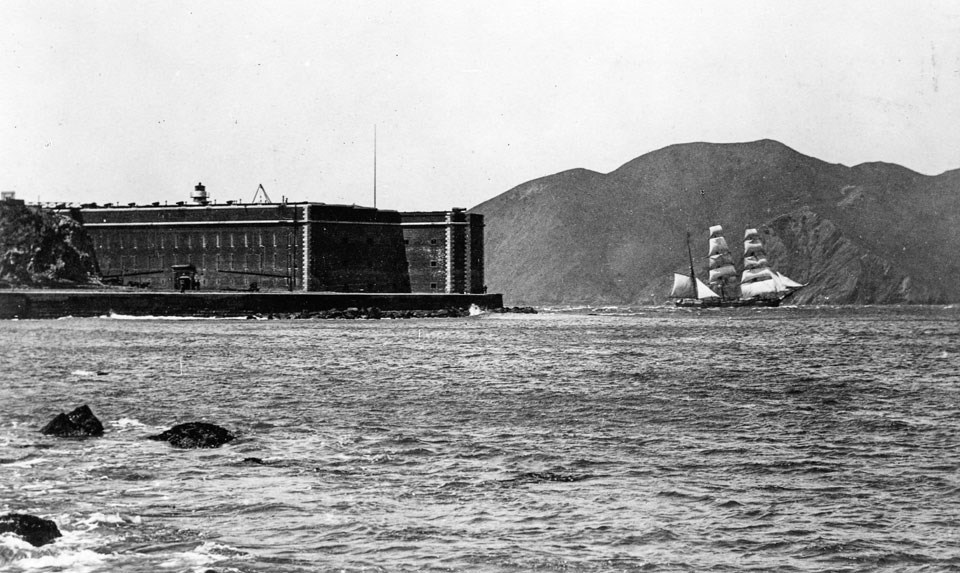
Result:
<point x="116" y="316"/>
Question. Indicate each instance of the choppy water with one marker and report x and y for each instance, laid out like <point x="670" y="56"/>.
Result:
<point x="792" y="439"/>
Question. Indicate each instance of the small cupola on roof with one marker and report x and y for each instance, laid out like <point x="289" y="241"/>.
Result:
<point x="199" y="194"/>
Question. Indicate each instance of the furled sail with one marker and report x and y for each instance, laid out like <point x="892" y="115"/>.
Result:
<point x="721" y="263"/>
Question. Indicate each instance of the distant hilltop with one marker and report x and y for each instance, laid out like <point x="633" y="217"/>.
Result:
<point x="876" y="233"/>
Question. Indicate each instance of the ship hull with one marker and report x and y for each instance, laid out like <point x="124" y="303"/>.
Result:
<point x="735" y="303"/>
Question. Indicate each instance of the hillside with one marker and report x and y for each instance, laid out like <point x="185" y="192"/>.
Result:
<point x="42" y="248"/>
<point x="875" y="233"/>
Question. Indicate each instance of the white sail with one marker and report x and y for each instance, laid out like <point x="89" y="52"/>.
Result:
<point x="683" y="287"/>
<point x="754" y="262"/>
<point x="756" y="274"/>
<point x="722" y="273"/>
<point x="752" y="248"/>
<point x="758" y="280"/>
<point x="788" y="282"/>
<point x="703" y="291"/>
<point x="718" y="245"/>
<point x="771" y="286"/>
<point x="721" y="263"/>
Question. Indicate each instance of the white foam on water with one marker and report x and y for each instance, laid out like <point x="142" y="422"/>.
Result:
<point x="83" y="373"/>
<point x="26" y="463"/>
<point x="80" y="561"/>
<point x="71" y="552"/>
<point x="115" y="316"/>
<point x="97" y="518"/>
<point x="126" y="423"/>
<point x="13" y="548"/>
<point x="201" y="556"/>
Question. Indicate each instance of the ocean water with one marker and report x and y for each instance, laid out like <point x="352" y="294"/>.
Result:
<point x="790" y="439"/>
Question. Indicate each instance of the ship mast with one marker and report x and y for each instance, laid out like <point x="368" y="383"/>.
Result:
<point x="693" y="277"/>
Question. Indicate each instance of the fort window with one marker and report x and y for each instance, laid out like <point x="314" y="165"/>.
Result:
<point x="176" y="241"/>
<point x="433" y="241"/>
<point x="433" y="286"/>
<point x="231" y="240"/>
<point x="203" y="241"/>
<point x="406" y="241"/>
<point x="218" y="240"/>
<point x="433" y="263"/>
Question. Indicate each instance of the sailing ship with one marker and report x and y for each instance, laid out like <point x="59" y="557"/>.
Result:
<point x="759" y="285"/>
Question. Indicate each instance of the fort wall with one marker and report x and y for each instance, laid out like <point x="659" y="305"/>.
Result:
<point x="286" y="246"/>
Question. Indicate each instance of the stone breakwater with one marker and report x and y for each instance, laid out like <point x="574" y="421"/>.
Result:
<point x="58" y="303"/>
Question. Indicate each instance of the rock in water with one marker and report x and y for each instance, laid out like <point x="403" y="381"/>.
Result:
<point x="195" y="435"/>
<point x="80" y="423"/>
<point x="32" y="529"/>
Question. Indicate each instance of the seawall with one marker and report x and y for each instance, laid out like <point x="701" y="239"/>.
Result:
<point x="54" y="304"/>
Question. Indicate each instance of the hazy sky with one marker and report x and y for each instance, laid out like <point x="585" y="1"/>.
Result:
<point x="122" y="101"/>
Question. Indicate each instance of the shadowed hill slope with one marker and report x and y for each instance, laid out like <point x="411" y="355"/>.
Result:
<point x="875" y="233"/>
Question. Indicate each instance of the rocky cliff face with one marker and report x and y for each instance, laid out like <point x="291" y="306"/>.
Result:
<point x="836" y="269"/>
<point x="871" y="234"/>
<point x="41" y="248"/>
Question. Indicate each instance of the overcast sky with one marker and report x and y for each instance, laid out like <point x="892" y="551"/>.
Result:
<point x="123" y="101"/>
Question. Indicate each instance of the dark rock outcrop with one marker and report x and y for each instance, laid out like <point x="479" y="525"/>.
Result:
<point x="34" y="530"/>
<point x="375" y="313"/>
<point x="514" y="310"/>
<point x="195" y="435"/>
<point x="80" y="423"/>
<point x="43" y="248"/>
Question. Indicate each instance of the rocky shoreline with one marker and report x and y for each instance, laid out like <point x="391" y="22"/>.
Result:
<point x="46" y="304"/>
<point x="375" y="313"/>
